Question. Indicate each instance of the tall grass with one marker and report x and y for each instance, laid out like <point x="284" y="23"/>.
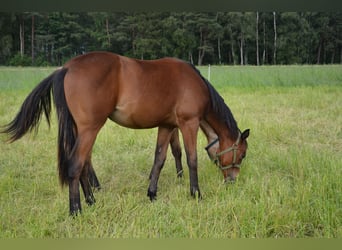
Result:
<point x="289" y="186"/>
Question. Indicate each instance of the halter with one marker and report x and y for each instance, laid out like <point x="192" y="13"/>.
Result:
<point x="211" y="144"/>
<point x="233" y="148"/>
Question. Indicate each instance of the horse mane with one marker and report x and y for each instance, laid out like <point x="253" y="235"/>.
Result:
<point x="219" y="107"/>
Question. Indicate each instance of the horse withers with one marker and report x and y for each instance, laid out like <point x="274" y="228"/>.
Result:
<point x="166" y="93"/>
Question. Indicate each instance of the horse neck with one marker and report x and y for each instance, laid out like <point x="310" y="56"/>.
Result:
<point x="220" y="128"/>
<point x="208" y="131"/>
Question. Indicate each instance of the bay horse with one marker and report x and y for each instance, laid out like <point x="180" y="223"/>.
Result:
<point x="165" y="93"/>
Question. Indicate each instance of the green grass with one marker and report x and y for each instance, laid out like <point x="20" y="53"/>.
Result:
<point x="289" y="186"/>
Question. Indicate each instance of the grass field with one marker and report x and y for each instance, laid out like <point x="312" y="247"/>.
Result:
<point x="289" y="186"/>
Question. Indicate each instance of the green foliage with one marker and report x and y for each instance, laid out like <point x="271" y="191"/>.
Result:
<point x="19" y="60"/>
<point x="198" y="37"/>
<point x="289" y="186"/>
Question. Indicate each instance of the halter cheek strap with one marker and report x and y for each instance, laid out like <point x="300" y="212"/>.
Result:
<point x="233" y="148"/>
<point x="211" y="144"/>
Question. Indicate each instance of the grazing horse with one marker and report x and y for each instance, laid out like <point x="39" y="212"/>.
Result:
<point x="166" y="93"/>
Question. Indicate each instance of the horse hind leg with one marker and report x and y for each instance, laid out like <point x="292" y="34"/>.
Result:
<point x="89" y="182"/>
<point x="86" y="184"/>
<point x="77" y="171"/>
<point x="164" y="136"/>
<point x="177" y="152"/>
<point x="92" y="178"/>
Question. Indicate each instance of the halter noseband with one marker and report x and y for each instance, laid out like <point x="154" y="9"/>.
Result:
<point x="233" y="148"/>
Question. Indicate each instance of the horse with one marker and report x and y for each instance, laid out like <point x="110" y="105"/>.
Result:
<point x="166" y="93"/>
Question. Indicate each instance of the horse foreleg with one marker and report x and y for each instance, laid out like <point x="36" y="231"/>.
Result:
<point x="164" y="136"/>
<point x="177" y="152"/>
<point x="189" y="131"/>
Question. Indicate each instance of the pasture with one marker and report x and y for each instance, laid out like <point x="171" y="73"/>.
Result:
<point x="289" y="185"/>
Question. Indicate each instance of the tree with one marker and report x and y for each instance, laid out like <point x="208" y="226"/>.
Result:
<point x="257" y="37"/>
<point x="199" y="37"/>
<point x="6" y="38"/>
<point x="206" y="27"/>
<point x="275" y="39"/>
<point x="21" y="33"/>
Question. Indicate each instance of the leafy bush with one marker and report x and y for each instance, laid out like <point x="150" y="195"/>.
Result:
<point x="41" y="61"/>
<point x="19" y="60"/>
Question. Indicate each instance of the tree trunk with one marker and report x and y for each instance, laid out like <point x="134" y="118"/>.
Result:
<point x="241" y="49"/>
<point x="191" y="58"/>
<point x="200" y="49"/>
<point x="32" y="40"/>
<point x="319" y="52"/>
<point x="233" y="53"/>
<point x="201" y="53"/>
<point x="257" y="38"/>
<point x="21" y="36"/>
<point x="275" y="39"/>
<point x="333" y="57"/>
<point x="245" y="54"/>
<point x="107" y="30"/>
<point x="133" y="41"/>
<point x="264" y="51"/>
<point x="218" y="42"/>
<point x="219" y="49"/>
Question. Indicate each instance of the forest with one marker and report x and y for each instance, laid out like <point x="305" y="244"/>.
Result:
<point x="227" y="38"/>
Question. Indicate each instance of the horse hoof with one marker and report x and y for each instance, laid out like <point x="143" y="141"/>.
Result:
<point x="75" y="213"/>
<point x="90" y="201"/>
<point x="152" y="195"/>
<point x="196" y="194"/>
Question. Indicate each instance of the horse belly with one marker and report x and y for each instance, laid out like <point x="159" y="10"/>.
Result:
<point x="122" y="119"/>
<point x="136" y="118"/>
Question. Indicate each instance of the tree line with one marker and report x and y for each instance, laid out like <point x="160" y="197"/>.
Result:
<point x="233" y="38"/>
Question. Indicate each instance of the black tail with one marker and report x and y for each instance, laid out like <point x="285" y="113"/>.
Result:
<point x="30" y="113"/>
<point x="67" y="130"/>
<point x="28" y="117"/>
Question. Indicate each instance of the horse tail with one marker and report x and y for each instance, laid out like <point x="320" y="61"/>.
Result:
<point x="67" y="130"/>
<point x="29" y="115"/>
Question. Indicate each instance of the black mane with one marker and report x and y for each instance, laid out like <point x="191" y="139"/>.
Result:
<point x="220" y="107"/>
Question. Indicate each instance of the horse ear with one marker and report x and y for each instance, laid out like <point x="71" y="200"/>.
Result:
<point x="245" y="134"/>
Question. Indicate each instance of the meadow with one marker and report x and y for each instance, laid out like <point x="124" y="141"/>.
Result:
<point x="289" y="186"/>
